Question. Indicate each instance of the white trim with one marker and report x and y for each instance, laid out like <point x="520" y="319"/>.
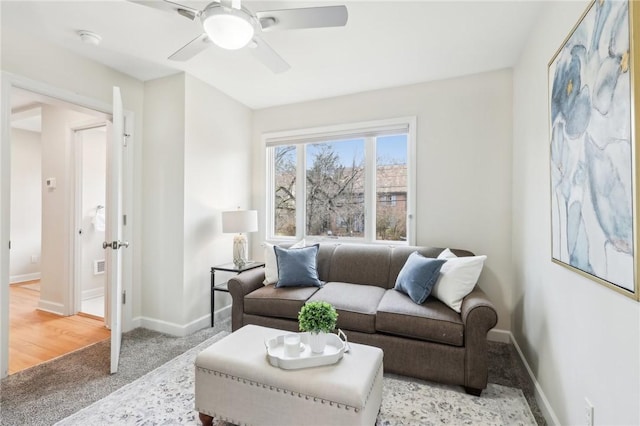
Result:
<point x="543" y="402"/>
<point x="363" y="128"/>
<point x="75" y="289"/>
<point x="182" y="330"/>
<point x="53" y="307"/>
<point x="14" y="279"/>
<point x="505" y="336"/>
<point x="5" y="209"/>
<point x="412" y="181"/>
<point x="501" y="336"/>
<point x="92" y="293"/>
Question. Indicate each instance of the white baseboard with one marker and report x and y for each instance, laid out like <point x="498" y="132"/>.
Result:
<point x="92" y="293"/>
<point x="14" y="279"/>
<point x="543" y="402"/>
<point x="501" y="336"/>
<point x="177" y="329"/>
<point x="221" y="314"/>
<point x="53" y="307"/>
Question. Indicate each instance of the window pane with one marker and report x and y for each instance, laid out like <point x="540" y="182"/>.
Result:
<point x="391" y="188"/>
<point x="285" y="191"/>
<point x="334" y="189"/>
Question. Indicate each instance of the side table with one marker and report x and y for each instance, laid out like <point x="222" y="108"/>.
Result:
<point x="227" y="267"/>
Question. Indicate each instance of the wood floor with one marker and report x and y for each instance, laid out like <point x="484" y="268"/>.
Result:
<point x="36" y="336"/>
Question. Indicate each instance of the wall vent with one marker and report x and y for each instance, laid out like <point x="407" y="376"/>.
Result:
<point x="98" y="267"/>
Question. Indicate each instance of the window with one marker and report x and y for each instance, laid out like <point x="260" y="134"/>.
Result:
<point x="349" y="182"/>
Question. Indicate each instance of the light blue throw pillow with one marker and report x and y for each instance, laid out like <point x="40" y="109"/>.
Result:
<point x="418" y="276"/>
<point x="297" y="267"/>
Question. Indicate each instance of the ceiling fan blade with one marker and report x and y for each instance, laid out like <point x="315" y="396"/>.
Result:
<point x="268" y="56"/>
<point x="311" y="17"/>
<point x="192" y="48"/>
<point x="169" y="6"/>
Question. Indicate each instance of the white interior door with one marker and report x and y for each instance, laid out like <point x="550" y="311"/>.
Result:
<point x="113" y="235"/>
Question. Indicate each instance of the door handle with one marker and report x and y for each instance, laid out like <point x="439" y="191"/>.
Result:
<point x="115" y="244"/>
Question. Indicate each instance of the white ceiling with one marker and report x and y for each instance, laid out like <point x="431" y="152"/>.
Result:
<point x="385" y="44"/>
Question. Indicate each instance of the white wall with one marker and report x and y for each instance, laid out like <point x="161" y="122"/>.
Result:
<point x="94" y="172"/>
<point x="57" y="209"/>
<point x="163" y="198"/>
<point x="196" y="164"/>
<point x="579" y="338"/>
<point x="463" y="163"/>
<point x="26" y="204"/>
<point x="217" y="177"/>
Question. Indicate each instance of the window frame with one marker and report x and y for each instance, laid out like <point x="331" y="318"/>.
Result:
<point x="367" y="130"/>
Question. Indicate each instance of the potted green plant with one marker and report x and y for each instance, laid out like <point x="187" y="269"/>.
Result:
<point x="318" y="318"/>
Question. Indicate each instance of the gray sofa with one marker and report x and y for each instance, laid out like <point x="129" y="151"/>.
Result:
<point x="429" y="341"/>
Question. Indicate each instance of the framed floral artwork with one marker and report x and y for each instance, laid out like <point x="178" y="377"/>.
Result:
<point x="592" y="142"/>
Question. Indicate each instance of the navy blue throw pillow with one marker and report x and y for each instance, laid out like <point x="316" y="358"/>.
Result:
<point x="297" y="267"/>
<point x="418" y="276"/>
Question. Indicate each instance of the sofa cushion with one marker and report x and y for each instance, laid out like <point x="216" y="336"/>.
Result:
<point x="432" y="321"/>
<point x="270" y="301"/>
<point x="356" y="304"/>
<point x="361" y="264"/>
<point x="297" y="267"/>
<point x="417" y="276"/>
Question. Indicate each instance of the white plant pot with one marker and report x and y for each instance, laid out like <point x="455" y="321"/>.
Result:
<point x="317" y="341"/>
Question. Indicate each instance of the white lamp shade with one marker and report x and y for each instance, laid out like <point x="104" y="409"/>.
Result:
<point x="240" y="221"/>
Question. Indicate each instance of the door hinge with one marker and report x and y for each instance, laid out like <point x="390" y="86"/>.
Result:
<point x="124" y="297"/>
<point x="9" y="244"/>
<point x="125" y="138"/>
<point x="124" y="220"/>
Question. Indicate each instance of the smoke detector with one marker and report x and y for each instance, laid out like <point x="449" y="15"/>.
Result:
<point x="89" y="37"/>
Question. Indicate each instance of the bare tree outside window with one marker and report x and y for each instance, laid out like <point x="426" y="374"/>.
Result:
<point x="285" y="191"/>
<point x="334" y="195"/>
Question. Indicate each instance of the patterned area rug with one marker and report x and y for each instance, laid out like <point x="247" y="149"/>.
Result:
<point x="165" y="396"/>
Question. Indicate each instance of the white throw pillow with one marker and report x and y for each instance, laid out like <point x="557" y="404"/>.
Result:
<point x="271" y="263"/>
<point x="458" y="276"/>
<point x="446" y="254"/>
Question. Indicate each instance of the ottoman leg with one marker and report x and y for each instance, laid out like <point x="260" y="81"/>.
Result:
<point x="206" y="419"/>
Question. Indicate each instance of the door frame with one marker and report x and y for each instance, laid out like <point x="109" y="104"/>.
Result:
<point x="8" y="82"/>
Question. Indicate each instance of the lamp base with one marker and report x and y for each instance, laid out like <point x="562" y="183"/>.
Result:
<point x="240" y="250"/>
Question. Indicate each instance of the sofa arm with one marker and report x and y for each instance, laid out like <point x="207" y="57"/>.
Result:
<point x="478" y="316"/>
<point x="239" y="286"/>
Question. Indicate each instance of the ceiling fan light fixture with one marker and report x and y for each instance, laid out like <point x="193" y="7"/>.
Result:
<point x="228" y="28"/>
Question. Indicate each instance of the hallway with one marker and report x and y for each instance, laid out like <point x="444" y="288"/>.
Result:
<point x="36" y="336"/>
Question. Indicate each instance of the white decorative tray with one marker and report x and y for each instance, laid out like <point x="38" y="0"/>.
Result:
<point x="333" y="352"/>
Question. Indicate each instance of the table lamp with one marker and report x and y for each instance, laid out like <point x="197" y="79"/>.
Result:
<point x="240" y="222"/>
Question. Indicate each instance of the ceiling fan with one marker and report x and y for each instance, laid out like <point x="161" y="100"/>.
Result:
<point x="228" y="24"/>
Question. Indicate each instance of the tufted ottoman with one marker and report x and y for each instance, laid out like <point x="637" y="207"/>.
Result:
<point x="235" y="382"/>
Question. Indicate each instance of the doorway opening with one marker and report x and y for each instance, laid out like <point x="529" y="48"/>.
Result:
<point x="44" y="205"/>
<point x="91" y="188"/>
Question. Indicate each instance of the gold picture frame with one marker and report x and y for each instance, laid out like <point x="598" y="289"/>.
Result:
<point x="593" y="155"/>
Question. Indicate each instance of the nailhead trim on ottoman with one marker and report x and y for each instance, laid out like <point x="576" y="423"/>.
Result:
<point x="235" y="382"/>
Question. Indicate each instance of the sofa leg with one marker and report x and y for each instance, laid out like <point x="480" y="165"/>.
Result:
<point x="472" y="391"/>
